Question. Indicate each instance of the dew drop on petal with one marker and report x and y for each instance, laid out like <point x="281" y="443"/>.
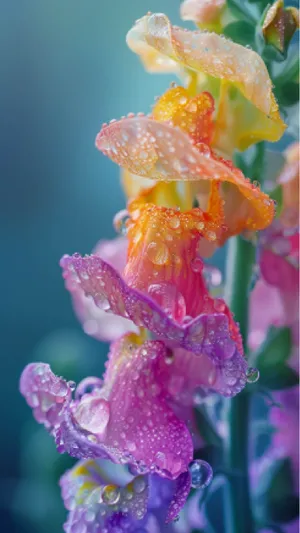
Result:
<point x="72" y="385"/>
<point x="92" y="414"/>
<point x="201" y="474"/>
<point x="158" y="253"/>
<point x="252" y="375"/>
<point x="168" y="297"/>
<point x="139" y="484"/>
<point x="197" y="264"/>
<point x="111" y="494"/>
<point x="120" y="221"/>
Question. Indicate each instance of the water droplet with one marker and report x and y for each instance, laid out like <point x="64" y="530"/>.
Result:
<point x="219" y="305"/>
<point x="201" y="474"/>
<point x="252" y="375"/>
<point x="174" y="222"/>
<point x="102" y="302"/>
<point x="92" y="414"/>
<point x="111" y="494"/>
<point x="168" y="297"/>
<point x="158" y="253"/>
<point x="87" y="385"/>
<point x="139" y="484"/>
<point x="72" y="385"/>
<point x="197" y="264"/>
<point x="120" y="221"/>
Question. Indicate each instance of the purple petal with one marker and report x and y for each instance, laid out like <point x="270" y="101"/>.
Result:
<point x="46" y="393"/>
<point x="206" y="334"/>
<point x="182" y="487"/>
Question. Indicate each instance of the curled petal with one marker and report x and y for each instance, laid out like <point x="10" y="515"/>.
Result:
<point x="95" y="321"/>
<point x="208" y="334"/>
<point x="159" y="151"/>
<point x="47" y="394"/>
<point x="212" y="55"/>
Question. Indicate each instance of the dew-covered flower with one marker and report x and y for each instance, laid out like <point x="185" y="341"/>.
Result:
<point x="174" y="145"/>
<point x="101" y="498"/>
<point x="157" y="292"/>
<point x="237" y="77"/>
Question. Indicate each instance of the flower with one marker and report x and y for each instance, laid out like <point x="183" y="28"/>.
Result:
<point x="210" y="330"/>
<point x="237" y="76"/>
<point x="279" y="25"/>
<point x="174" y="145"/>
<point x="127" y="420"/>
<point x="205" y="13"/>
<point x="98" y="496"/>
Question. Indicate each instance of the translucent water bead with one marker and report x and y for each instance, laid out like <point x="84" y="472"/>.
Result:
<point x="120" y="221"/>
<point x="111" y="494"/>
<point x="201" y="474"/>
<point x="252" y="375"/>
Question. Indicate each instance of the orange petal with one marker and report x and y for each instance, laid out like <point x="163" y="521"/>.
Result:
<point x="192" y="115"/>
<point x="163" y="254"/>
<point x="160" y="151"/>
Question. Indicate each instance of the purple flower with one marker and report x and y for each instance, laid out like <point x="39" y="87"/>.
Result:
<point x="103" y="498"/>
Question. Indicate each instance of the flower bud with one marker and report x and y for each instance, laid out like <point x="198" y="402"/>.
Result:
<point x="279" y="25"/>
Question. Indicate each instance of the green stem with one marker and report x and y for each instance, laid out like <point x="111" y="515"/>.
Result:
<point x="239" y="517"/>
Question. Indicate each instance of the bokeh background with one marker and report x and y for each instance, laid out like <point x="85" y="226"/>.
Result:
<point x="65" y="69"/>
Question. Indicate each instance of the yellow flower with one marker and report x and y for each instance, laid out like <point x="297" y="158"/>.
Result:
<point x="236" y="76"/>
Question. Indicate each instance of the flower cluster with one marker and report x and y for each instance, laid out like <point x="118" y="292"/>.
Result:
<point x="146" y="292"/>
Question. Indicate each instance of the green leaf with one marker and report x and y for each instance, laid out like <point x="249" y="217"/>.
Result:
<point x="275" y="498"/>
<point x="279" y="377"/>
<point x="242" y="10"/>
<point x="282" y="503"/>
<point x="276" y="348"/>
<point x="271" y="360"/>
<point x="241" y="32"/>
<point x="206" y="428"/>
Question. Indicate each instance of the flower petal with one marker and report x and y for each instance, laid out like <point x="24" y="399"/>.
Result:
<point x="90" y="486"/>
<point x="95" y="321"/>
<point x="208" y="334"/>
<point x="47" y="394"/>
<point x="192" y="115"/>
<point x="159" y="151"/>
<point x="181" y="492"/>
<point x="141" y="420"/>
<point x="212" y="55"/>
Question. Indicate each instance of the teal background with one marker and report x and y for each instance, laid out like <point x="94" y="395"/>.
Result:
<point x="65" y="69"/>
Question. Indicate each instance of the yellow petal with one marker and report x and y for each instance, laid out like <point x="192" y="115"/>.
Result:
<point x="214" y="56"/>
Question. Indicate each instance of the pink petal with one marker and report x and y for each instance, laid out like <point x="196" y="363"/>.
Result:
<point x="141" y="421"/>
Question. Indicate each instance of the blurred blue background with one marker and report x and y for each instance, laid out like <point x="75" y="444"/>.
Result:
<point x="65" y="69"/>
